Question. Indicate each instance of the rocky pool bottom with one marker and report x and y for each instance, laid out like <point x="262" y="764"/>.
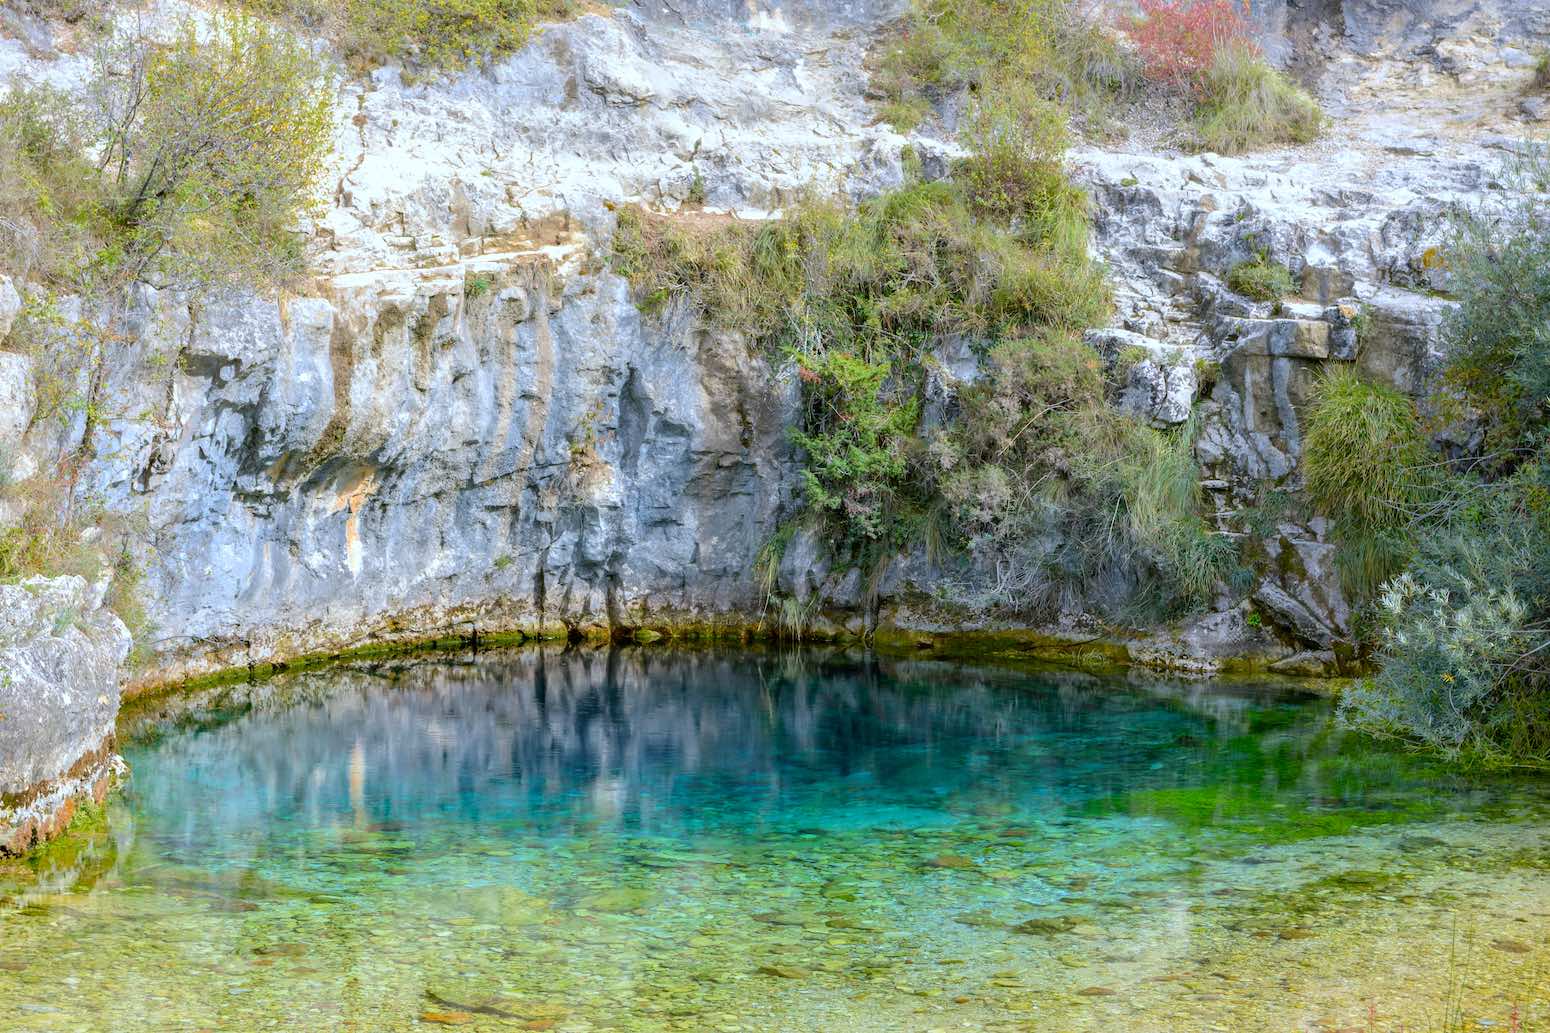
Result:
<point x="653" y="840"/>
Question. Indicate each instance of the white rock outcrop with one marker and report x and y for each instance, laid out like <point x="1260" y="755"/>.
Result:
<point x="60" y="652"/>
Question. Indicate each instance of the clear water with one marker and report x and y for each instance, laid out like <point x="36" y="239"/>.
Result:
<point x="650" y="840"/>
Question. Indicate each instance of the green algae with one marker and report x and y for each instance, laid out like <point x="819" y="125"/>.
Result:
<point x="1107" y="652"/>
<point x="1265" y="820"/>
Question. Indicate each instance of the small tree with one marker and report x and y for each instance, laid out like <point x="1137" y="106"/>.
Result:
<point x="211" y="146"/>
<point x="185" y="162"/>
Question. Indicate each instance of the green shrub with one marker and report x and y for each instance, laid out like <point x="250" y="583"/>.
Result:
<point x="695" y="198"/>
<point x="739" y="272"/>
<point x="126" y="598"/>
<point x="192" y="159"/>
<point x="1031" y="400"/>
<point x="216" y="149"/>
<point x="1361" y="322"/>
<point x="1054" y="492"/>
<point x="1458" y="645"/>
<point x="1020" y="421"/>
<point x="1499" y="334"/>
<point x="1542" y="71"/>
<point x="857" y="434"/>
<point x="905" y="114"/>
<point x="1207" y="373"/>
<point x="844" y="293"/>
<point x="987" y="48"/>
<point x="55" y="534"/>
<point x="47" y="538"/>
<point x="1261" y="280"/>
<point x="430" y="34"/>
<point x="767" y="564"/>
<point x="1465" y="650"/>
<point x="1015" y="176"/>
<point x="1245" y="104"/>
<point x="1367" y="466"/>
<point x="908" y="264"/>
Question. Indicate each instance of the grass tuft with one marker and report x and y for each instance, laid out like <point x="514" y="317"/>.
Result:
<point x="1365" y="464"/>
<point x="1246" y="105"/>
<point x="1261" y="280"/>
<point x="986" y="48"/>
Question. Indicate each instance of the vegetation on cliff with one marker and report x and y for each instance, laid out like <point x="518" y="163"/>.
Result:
<point x="1464" y="645"/>
<point x="183" y="162"/>
<point x="1052" y="52"/>
<point x="1045" y="49"/>
<point x="1244" y="105"/>
<point x="436" y="35"/>
<point x="1366" y="462"/>
<point x="1028" y="471"/>
<point x="186" y="162"/>
<point x="1261" y="279"/>
<point x="1205" y="50"/>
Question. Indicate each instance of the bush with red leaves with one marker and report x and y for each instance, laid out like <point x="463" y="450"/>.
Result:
<point x="1179" y="39"/>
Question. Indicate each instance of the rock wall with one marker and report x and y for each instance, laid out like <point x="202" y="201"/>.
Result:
<point x="60" y="653"/>
<point x="463" y="421"/>
<point x="401" y="456"/>
<point x="1427" y="105"/>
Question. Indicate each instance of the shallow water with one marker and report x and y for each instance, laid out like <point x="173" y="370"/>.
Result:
<point x="650" y="840"/>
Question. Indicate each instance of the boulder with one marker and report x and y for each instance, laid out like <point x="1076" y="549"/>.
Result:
<point x="1210" y="643"/>
<point x="1302" y="594"/>
<point x="1403" y="342"/>
<point x="1157" y="379"/>
<point x="60" y="652"/>
<point x="1161" y="392"/>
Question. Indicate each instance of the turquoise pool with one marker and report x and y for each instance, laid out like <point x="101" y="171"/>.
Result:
<point x="646" y="839"/>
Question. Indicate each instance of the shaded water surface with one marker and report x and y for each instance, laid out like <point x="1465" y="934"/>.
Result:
<point x="651" y="840"/>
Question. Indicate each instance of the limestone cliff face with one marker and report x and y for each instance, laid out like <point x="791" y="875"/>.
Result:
<point x="60" y="653"/>
<point x="463" y="420"/>
<point x="1428" y="102"/>
<point x="399" y="456"/>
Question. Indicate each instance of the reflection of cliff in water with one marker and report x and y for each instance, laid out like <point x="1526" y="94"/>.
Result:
<point x="632" y="737"/>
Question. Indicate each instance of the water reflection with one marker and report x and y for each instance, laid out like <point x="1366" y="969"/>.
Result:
<point x="662" y="743"/>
